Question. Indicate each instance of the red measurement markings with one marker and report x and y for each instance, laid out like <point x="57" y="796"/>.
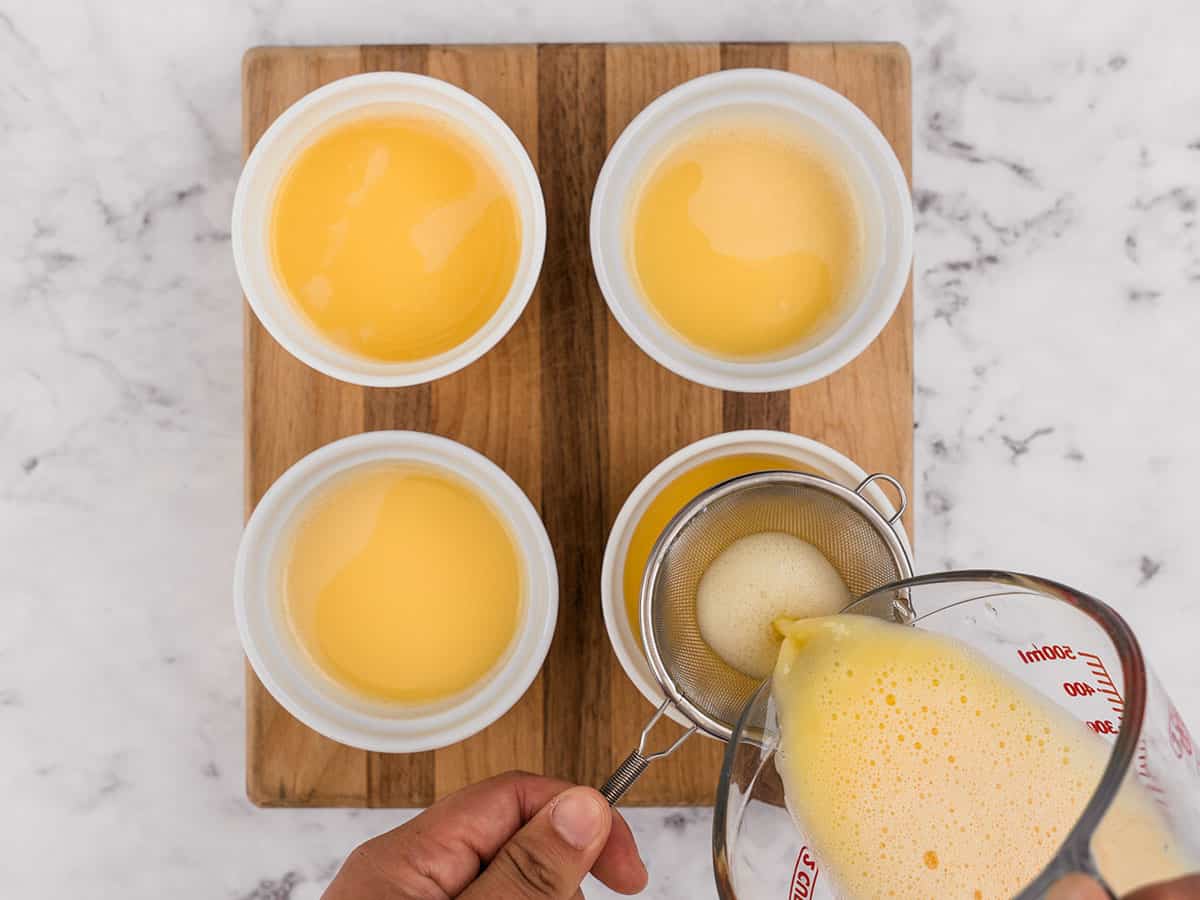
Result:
<point x="1046" y="653"/>
<point x="1078" y="689"/>
<point x="1117" y="702"/>
<point x="1106" y="687"/>
<point x="1180" y="740"/>
<point x="804" y="876"/>
<point x="1177" y="734"/>
<point x="1147" y="777"/>
<point x="1104" y="684"/>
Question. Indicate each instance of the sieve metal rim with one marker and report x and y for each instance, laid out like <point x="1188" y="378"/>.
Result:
<point x="650" y="577"/>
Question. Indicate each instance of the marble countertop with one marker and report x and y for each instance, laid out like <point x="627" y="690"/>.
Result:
<point x="1057" y="171"/>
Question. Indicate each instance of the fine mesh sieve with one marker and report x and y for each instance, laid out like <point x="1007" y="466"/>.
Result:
<point x="851" y="533"/>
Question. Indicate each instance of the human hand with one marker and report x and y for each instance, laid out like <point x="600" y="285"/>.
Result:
<point x="513" y="837"/>
<point x="1080" y="887"/>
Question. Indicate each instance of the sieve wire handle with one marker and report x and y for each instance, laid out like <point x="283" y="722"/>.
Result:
<point x="636" y="762"/>
<point x="623" y="778"/>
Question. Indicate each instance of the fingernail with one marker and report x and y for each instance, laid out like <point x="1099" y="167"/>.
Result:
<point x="578" y="818"/>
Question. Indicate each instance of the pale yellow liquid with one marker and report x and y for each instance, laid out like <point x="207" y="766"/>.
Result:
<point x="745" y="238"/>
<point x="673" y="497"/>
<point x="395" y="236"/>
<point x="402" y="584"/>
<point x="918" y="769"/>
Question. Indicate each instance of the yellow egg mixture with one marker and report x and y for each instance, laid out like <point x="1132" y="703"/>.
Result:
<point x="917" y="769"/>
<point x="670" y="500"/>
<point x="395" y="236"/>
<point x="745" y="238"/>
<point x="402" y="584"/>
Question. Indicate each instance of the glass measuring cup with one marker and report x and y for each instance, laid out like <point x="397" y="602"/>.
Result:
<point x="1071" y="648"/>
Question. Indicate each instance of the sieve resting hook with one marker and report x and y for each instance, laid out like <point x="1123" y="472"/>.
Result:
<point x="636" y="762"/>
<point x="881" y="476"/>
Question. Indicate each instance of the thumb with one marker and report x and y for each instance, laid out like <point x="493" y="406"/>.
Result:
<point x="550" y="856"/>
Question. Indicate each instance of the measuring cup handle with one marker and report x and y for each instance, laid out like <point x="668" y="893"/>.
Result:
<point x="636" y="762"/>
<point x="623" y="778"/>
<point x="881" y="476"/>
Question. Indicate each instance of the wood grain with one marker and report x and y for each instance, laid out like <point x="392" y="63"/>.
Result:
<point x="566" y="403"/>
<point x="291" y="410"/>
<point x="493" y="405"/>
<point x="652" y="413"/>
<point x="574" y="407"/>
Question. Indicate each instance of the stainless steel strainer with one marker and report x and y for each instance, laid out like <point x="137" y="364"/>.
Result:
<point x="858" y="540"/>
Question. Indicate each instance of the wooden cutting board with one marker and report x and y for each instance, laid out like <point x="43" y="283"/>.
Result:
<point x="566" y="404"/>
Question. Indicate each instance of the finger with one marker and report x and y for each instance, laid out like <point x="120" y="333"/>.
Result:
<point x="1076" y="887"/>
<point x="620" y="866"/>
<point x="549" y="857"/>
<point x="359" y="877"/>
<point x="444" y="848"/>
<point x="511" y="800"/>
<point x="1187" y="888"/>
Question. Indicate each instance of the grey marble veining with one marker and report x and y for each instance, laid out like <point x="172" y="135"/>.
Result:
<point x="1057" y="170"/>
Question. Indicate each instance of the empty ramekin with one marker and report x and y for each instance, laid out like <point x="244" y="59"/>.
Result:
<point x="845" y="134"/>
<point x="810" y="454"/>
<point x="299" y="124"/>
<point x="284" y="668"/>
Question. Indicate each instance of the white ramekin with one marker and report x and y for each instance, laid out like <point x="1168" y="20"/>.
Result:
<point x="290" y="676"/>
<point x="843" y="131"/>
<point x="290" y="133"/>
<point x="806" y="452"/>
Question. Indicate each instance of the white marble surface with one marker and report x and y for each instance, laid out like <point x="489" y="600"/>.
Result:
<point x="1058" y="304"/>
